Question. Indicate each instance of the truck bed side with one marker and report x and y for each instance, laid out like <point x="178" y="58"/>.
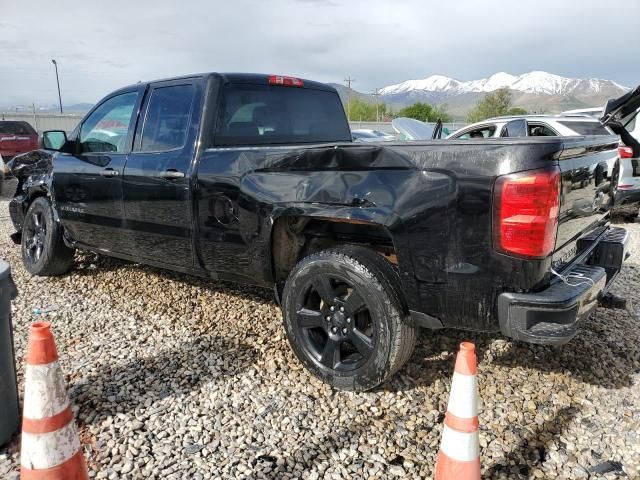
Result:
<point x="434" y="199"/>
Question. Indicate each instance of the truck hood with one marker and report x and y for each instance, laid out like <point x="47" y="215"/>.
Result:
<point x="621" y="107"/>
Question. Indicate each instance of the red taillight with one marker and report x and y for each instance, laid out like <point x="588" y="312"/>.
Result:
<point x="526" y="209"/>
<point x="285" y="81"/>
<point x="625" y="152"/>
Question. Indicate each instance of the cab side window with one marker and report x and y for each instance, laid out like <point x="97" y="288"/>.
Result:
<point x="106" y="130"/>
<point x="167" y="120"/>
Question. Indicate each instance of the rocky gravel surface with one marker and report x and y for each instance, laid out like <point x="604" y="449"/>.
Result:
<point x="177" y="377"/>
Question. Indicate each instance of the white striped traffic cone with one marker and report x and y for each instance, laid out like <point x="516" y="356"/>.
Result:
<point x="50" y="444"/>
<point x="459" y="455"/>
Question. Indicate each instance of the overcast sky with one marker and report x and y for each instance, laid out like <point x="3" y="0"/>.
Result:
<point x="101" y="46"/>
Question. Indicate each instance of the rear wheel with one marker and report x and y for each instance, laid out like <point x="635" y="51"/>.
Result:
<point x="345" y="320"/>
<point x="43" y="250"/>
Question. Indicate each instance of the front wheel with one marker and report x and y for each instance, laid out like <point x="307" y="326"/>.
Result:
<point x="344" y="318"/>
<point x="43" y="250"/>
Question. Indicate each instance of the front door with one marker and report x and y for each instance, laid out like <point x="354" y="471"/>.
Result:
<point x="156" y="181"/>
<point x="88" y="182"/>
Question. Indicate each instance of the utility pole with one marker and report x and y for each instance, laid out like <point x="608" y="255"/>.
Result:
<point x="376" y="93"/>
<point x="55" y="64"/>
<point x="35" y="119"/>
<point x="348" y="80"/>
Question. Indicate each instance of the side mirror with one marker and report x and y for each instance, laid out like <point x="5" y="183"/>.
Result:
<point x="54" y="139"/>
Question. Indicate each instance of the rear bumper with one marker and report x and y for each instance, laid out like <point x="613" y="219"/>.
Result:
<point x="552" y="316"/>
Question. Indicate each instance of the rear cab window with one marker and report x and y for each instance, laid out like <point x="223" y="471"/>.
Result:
<point x="585" y="128"/>
<point x="255" y="114"/>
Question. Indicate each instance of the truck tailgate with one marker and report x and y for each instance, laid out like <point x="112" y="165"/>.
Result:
<point x="587" y="192"/>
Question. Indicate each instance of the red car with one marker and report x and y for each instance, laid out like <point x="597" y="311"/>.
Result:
<point x="15" y="138"/>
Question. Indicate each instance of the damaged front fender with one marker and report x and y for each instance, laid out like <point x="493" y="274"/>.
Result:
<point x="34" y="173"/>
<point x="36" y="162"/>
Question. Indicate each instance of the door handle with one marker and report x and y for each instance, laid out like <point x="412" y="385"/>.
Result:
<point x="171" y="174"/>
<point x="109" y="172"/>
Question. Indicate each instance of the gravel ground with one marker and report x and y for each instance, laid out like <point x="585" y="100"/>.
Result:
<point x="177" y="377"/>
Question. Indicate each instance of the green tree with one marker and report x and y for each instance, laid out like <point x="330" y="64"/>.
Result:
<point x="425" y="112"/>
<point x="494" y="104"/>
<point x="517" y="111"/>
<point x="365" y="112"/>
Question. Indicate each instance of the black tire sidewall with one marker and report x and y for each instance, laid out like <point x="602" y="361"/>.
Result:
<point x="43" y="206"/>
<point x="381" y="308"/>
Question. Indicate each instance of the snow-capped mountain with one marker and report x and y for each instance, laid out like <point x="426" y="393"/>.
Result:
<point x="532" y="82"/>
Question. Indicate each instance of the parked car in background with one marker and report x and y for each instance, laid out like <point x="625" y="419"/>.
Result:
<point x="16" y="138"/>
<point x="368" y="135"/>
<point x="620" y="115"/>
<point x="624" y="112"/>
<point x="628" y="121"/>
<point x="537" y="126"/>
<point x="629" y="181"/>
<point x="533" y="126"/>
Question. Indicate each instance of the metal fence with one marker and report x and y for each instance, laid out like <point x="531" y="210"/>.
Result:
<point x="50" y="121"/>
<point x="45" y="121"/>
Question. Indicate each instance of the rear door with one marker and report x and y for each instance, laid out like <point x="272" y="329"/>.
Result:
<point x="87" y="184"/>
<point x="156" y="181"/>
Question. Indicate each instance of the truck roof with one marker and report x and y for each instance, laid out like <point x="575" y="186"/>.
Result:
<point x="234" y="77"/>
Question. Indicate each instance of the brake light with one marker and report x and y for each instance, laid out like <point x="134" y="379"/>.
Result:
<point x="625" y="187"/>
<point x="526" y="209"/>
<point x="285" y="81"/>
<point x="625" y="152"/>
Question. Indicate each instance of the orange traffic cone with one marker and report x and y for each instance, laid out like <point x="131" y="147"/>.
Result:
<point x="459" y="455"/>
<point x="50" y="443"/>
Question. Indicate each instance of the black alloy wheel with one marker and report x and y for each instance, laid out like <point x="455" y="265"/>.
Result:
<point x="34" y="234"/>
<point x="334" y="323"/>
<point x="345" y="317"/>
<point x="43" y="249"/>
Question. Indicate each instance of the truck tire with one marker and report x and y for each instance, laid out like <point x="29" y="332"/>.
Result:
<point x="345" y="319"/>
<point x="43" y="250"/>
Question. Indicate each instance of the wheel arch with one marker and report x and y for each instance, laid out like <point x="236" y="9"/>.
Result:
<point x="296" y="233"/>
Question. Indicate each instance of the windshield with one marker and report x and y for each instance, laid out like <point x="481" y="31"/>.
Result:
<point x="271" y="115"/>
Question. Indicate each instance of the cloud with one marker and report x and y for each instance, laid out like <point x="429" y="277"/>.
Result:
<point x="106" y="45"/>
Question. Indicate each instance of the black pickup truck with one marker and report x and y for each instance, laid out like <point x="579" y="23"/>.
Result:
<point x="254" y="179"/>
